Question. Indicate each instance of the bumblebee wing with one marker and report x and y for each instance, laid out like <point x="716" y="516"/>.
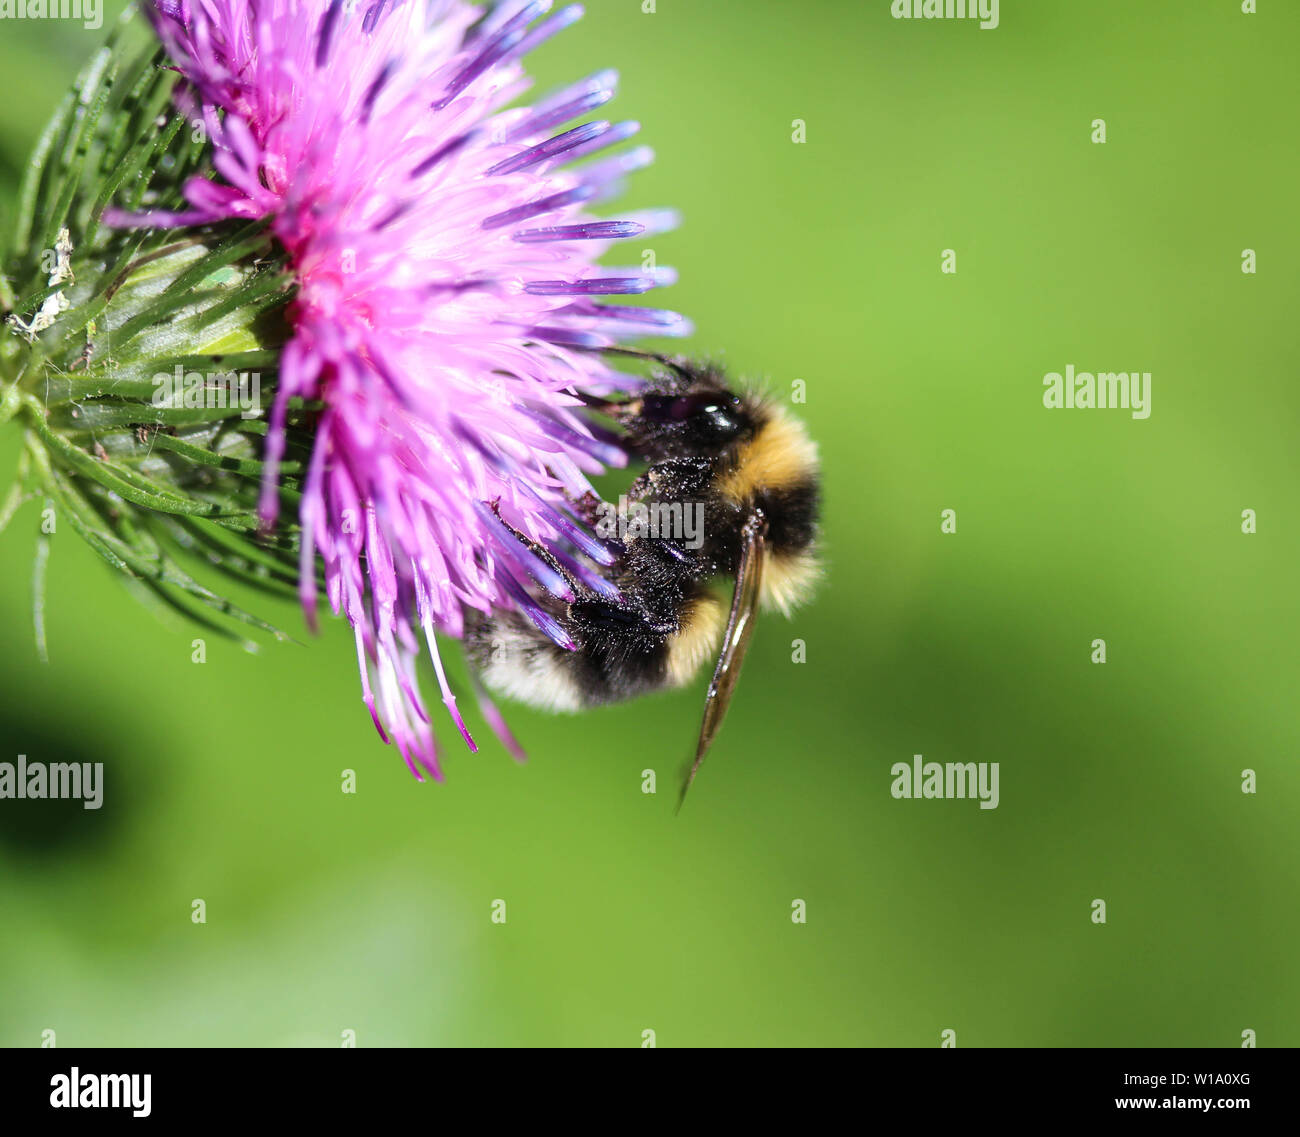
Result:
<point x="735" y="641"/>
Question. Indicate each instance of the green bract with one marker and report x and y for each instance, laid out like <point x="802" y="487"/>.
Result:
<point x="138" y="363"/>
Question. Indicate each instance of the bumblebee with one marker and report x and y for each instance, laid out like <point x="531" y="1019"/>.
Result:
<point x="749" y="471"/>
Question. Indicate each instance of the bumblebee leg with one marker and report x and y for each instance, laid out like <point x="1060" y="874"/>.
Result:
<point x="587" y="509"/>
<point x="676" y="479"/>
<point x="539" y="551"/>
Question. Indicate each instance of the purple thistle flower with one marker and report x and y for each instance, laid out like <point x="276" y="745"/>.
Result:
<point x="447" y="284"/>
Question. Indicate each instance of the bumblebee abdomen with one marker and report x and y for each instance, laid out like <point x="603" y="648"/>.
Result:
<point x="609" y="665"/>
<point x="514" y="659"/>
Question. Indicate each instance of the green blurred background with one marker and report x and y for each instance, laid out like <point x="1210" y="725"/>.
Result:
<point x="371" y="912"/>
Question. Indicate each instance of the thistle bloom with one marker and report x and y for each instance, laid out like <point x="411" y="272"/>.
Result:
<point x="447" y="289"/>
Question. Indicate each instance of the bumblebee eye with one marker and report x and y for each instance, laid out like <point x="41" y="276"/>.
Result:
<point x="721" y="420"/>
<point x="666" y="408"/>
<point x="712" y="413"/>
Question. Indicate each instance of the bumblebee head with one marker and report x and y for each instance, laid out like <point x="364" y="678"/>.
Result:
<point x="686" y="412"/>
